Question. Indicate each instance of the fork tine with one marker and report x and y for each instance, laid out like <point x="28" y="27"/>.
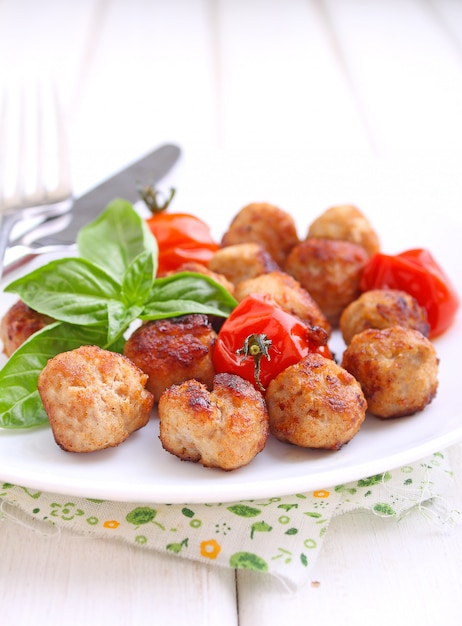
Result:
<point x="34" y="174"/>
<point x="53" y="123"/>
<point x="34" y="165"/>
<point x="34" y="151"/>
<point x="3" y="149"/>
<point x="64" y="182"/>
<point x="12" y="147"/>
<point x="20" y="188"/>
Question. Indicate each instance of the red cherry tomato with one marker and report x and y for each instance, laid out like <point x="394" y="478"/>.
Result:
<point x="259" y="340"/>
<point x="417" y="273"/>
<point x="181" y="238"/>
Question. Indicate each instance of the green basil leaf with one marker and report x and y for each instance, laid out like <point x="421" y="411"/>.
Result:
<point x="116" y="238"/>
<point x="70" y="290"/>
<point x="20" y="403"/>
<point x="138" y="280"/>
<point x="119" y="319"/>
<point x="185" y="293"/>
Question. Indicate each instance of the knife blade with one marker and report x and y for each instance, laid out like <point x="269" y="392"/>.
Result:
<point x="125" y="184"/>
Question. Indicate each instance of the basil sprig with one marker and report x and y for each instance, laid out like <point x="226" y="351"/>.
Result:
<point x="94" y="299"/>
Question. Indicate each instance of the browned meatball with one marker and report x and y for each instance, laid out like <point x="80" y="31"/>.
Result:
<point x="289" y="294"/>
<point x="397" y="368"/>
<point x="382" y="308"/>
<point x="346" y="222"/>
<point x="242" y="261"/>
<point x="224" y="428"/>
<point x="265" y="224"/>
<point x="18" y="324"/>
<point x="94" y="398"/>
<point x="330" y="270"/>
<point x="199" y="268"/>
<point x="173" y="350"/>
<point x="315" y="404"/>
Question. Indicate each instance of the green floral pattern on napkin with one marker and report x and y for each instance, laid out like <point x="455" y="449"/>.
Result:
<point x="279" y="535"/>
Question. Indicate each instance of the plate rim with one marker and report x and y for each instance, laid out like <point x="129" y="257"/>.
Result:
<point x="225" y="492"/>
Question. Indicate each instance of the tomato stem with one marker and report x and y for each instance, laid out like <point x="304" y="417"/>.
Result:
<point x="155" y="200"/>
<point x="256" y="345"/>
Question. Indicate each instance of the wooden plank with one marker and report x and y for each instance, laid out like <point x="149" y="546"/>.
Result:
<point x="406" y="72"/>
<point x="371" y="570"/>
<point x="104" y="582"/>
<point x="150" y="81"/>
<point x="141" y="73"/>
<point x="449" y="15"/>
<point x="53" y="42"/>
<point x="45" y="40"/>
<point x="279" y="80"/>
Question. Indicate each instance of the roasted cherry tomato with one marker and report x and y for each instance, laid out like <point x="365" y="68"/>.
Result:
<point x="181" y="237"/>
<point x="259" y="340"/>
<point x="417" y="273"/>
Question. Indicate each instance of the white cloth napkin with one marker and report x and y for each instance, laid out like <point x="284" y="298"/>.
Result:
<point x="281" y="535"/>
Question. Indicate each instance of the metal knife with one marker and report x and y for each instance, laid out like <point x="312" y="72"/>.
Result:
<point x="63" y="230"/>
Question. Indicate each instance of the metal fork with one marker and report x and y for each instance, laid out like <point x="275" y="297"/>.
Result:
<point x="24" y="251"/>
<point x="34" y="164"/>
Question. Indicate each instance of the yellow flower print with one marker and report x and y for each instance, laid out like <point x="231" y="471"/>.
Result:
<point x="210" y="549"/>
<point x="111" y="523"/>
<point x="321" y="493"/>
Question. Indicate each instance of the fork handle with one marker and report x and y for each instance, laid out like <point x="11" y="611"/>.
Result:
<point x="17" y="256"/>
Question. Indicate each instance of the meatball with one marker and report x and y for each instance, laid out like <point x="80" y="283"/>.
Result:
<point x="382" y="308"/>
<point x="347" y="223"/>
<point x="173" y="350"/>
<point x="289" y="294"/>
<point x="18" y="324"/>
<point x="397" y="368"/>
<point x="330" y="270"/>
<point x="315" y="404"/>
<point x="265" y="224"/>
<point x="242" y="261"/>
<point x="94" y="398"/>
<point x="224" y="428"/>
<point x="199" y="268"/>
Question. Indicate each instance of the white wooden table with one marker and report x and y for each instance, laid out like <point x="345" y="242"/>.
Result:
<point x="290" y="101"/>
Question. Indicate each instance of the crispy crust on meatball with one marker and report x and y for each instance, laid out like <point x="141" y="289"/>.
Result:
<point x="315" y="404"/>
<point x="265" y="224"/>
<point x="397" y="368"/>
<point x="242" y="261"/>
<point x="173" y="350"/>
<point x="289" y="294"/>
<point x="224" y="428"/>
<point x="330" y="270"/>
<point x="382" y="308"/>
<point x="94" y="398"/>
<point x="348" y="223"/>
<point x="18" y="324"/>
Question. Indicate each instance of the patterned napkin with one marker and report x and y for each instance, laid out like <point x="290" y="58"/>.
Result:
<point x="281" y="536"/>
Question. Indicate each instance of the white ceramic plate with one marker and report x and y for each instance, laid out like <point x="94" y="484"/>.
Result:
<point x="139" y="470"/>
